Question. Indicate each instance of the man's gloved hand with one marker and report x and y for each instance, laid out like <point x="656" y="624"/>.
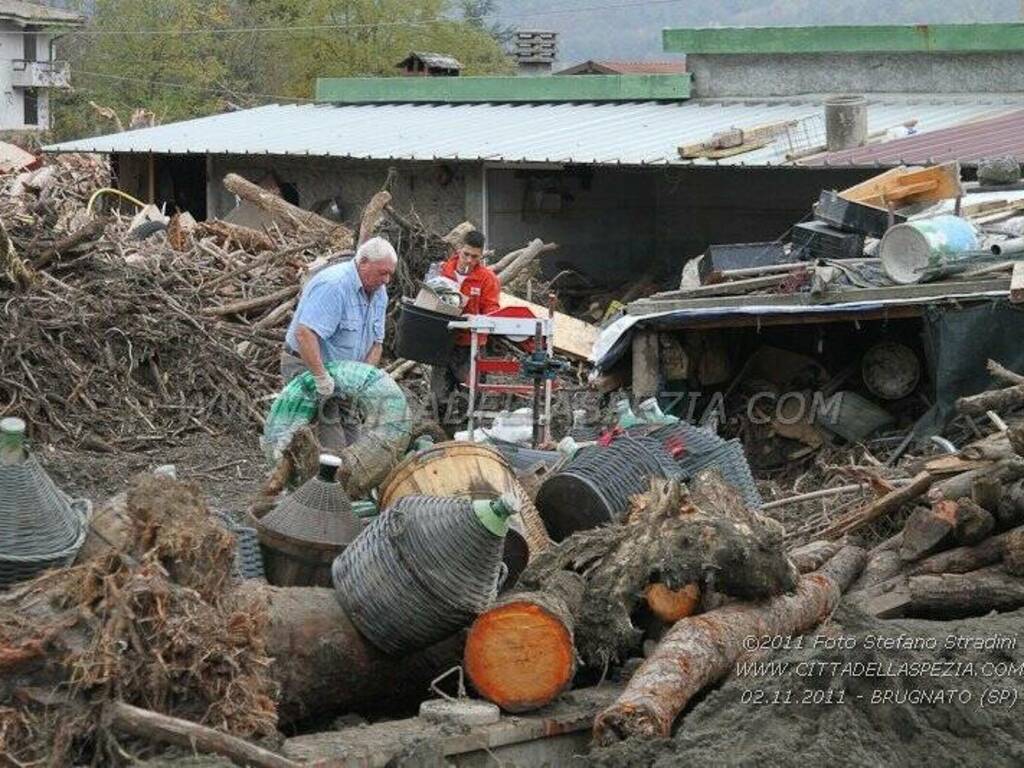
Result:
<point x="324" y="384"/>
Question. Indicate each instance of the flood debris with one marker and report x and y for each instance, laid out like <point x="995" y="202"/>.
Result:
<point x="643" y="545"/>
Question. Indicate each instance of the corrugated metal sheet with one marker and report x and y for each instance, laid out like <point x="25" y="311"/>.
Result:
<point x="967" y="143"/>
<point x="628" y="133"/>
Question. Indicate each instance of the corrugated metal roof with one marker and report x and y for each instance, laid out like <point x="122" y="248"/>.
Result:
<point x="967" y="143"/>
<point x="37" y="14"/>
<point x="625" y="133"/>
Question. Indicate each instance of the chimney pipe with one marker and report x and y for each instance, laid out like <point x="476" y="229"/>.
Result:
<point x="846" y="122"/>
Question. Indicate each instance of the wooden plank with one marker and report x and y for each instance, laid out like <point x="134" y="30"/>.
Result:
<point x="735" y="138"/>
<point x="573" y="337"/>
<point x="730" y="287"/>
<point x="646" y="364"/>
<point x="741" y="149"/>
<point x="860" y="193"/>
<point x="1017" y="283"/>
<point x="803" y="318"/>
<point x="907" y="185"/>
<point x="924" y="292"/>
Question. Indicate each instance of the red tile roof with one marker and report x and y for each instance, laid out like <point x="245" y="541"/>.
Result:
<point x="966" y="143"/>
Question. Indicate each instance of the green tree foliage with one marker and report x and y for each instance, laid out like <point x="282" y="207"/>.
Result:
<point x="221" y="53"/>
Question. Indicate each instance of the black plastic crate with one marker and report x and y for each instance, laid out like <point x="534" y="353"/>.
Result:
<point x="719" y="258"/>
<point x="817" y="240"/>
<point x="853" y="217"/>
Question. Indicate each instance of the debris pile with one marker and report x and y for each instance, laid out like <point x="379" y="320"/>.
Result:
<point x="152" y="624"/>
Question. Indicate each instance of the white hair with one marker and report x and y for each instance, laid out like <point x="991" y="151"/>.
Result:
<point x="376" y="249"/>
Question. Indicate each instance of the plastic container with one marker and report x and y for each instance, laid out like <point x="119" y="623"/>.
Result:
<point x="423" y="335"/>
<point x="922" y="249"/>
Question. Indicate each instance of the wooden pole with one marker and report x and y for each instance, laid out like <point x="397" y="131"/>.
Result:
<point x="154" y="726"/>
<point x="861" y="517"/>
<point x="646" y="364"/>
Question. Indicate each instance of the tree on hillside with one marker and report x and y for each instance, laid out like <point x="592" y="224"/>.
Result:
<point x="211" y="54"/>
<point x="482" y="14"/>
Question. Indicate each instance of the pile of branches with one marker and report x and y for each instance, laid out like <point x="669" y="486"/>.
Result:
<point x="112" y="340"/>
<point x="155" y="625"/>
<point x="119" y="330"/>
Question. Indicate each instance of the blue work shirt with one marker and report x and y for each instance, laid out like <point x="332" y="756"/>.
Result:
<point x="335" y="307"/>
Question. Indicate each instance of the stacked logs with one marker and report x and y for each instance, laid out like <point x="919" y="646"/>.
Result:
<point x="592" y="600"/>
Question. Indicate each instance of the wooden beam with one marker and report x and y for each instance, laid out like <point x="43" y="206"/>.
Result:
<point x="925" y="293"/>
<point x="646" y="364"/>
<point x="729" y="287"/>
<point x="1017" y="283"/>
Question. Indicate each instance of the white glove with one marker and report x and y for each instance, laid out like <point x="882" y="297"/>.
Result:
<point x="324" y="385"/>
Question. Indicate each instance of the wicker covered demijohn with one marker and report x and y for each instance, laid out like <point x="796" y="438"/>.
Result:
<point x="423" y="570"/>
<point x="303" y="534"/>
<point x="40" y="526"/>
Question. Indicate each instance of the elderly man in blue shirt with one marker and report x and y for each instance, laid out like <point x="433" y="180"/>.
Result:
<point x="341" y="315"/>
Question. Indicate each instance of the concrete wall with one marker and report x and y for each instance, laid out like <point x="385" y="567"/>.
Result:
<point x="436" y="191"/>
<point x="722" y="75"/>
<point x="12" y="100"/>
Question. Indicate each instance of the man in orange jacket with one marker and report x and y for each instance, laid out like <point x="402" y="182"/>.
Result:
<point x="482" y="290"/>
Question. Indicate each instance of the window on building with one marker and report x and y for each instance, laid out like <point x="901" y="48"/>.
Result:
<point x="31" y="107"/>
<point x="30" y="46"/>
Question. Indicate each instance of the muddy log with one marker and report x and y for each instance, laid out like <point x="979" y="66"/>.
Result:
<point x="950" y="595"/>
<point x="811" y="556"/>
<point x="702" y="649"/>
<point x="672" y="535"/>
<point x="520" y="654"/>
<point x="995" y="400"/>
<point x="372" y="214"/>
<point x="965" y="559"/>
<point x="325" y="667"/>
<point x="927" y="529"/>
<point x="880" y="567"/>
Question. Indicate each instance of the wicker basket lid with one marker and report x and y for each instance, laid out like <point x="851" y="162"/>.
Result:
<point x="319" y="511"/>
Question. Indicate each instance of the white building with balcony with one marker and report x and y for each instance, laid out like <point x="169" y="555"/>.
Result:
<point x="29" y="68"/>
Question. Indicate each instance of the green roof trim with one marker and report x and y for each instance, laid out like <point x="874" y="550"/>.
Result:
<point x="918" y="38"/>
<point x="461" y="90"/>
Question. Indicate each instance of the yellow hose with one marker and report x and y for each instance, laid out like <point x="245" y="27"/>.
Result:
<point x="111" y="190"/>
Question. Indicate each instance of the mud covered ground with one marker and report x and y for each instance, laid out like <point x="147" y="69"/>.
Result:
<point x="229" y="468"/>
<point x="893" y="710"/>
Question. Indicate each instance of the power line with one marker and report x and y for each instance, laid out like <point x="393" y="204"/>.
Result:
<point x="357" y="26"/>
<point x="192" y="87"/>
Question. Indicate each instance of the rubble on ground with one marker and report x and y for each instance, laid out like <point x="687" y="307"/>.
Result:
<point x="639" y="547"/>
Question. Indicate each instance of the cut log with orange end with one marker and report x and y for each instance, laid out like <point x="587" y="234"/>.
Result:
<point x="671" y="605"/>
<point x="520" y="653"/>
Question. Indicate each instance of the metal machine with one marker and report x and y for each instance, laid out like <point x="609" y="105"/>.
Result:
<point x="535" y="336"/>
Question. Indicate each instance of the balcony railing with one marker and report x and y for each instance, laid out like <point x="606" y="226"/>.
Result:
<point x="40" y="74"/>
